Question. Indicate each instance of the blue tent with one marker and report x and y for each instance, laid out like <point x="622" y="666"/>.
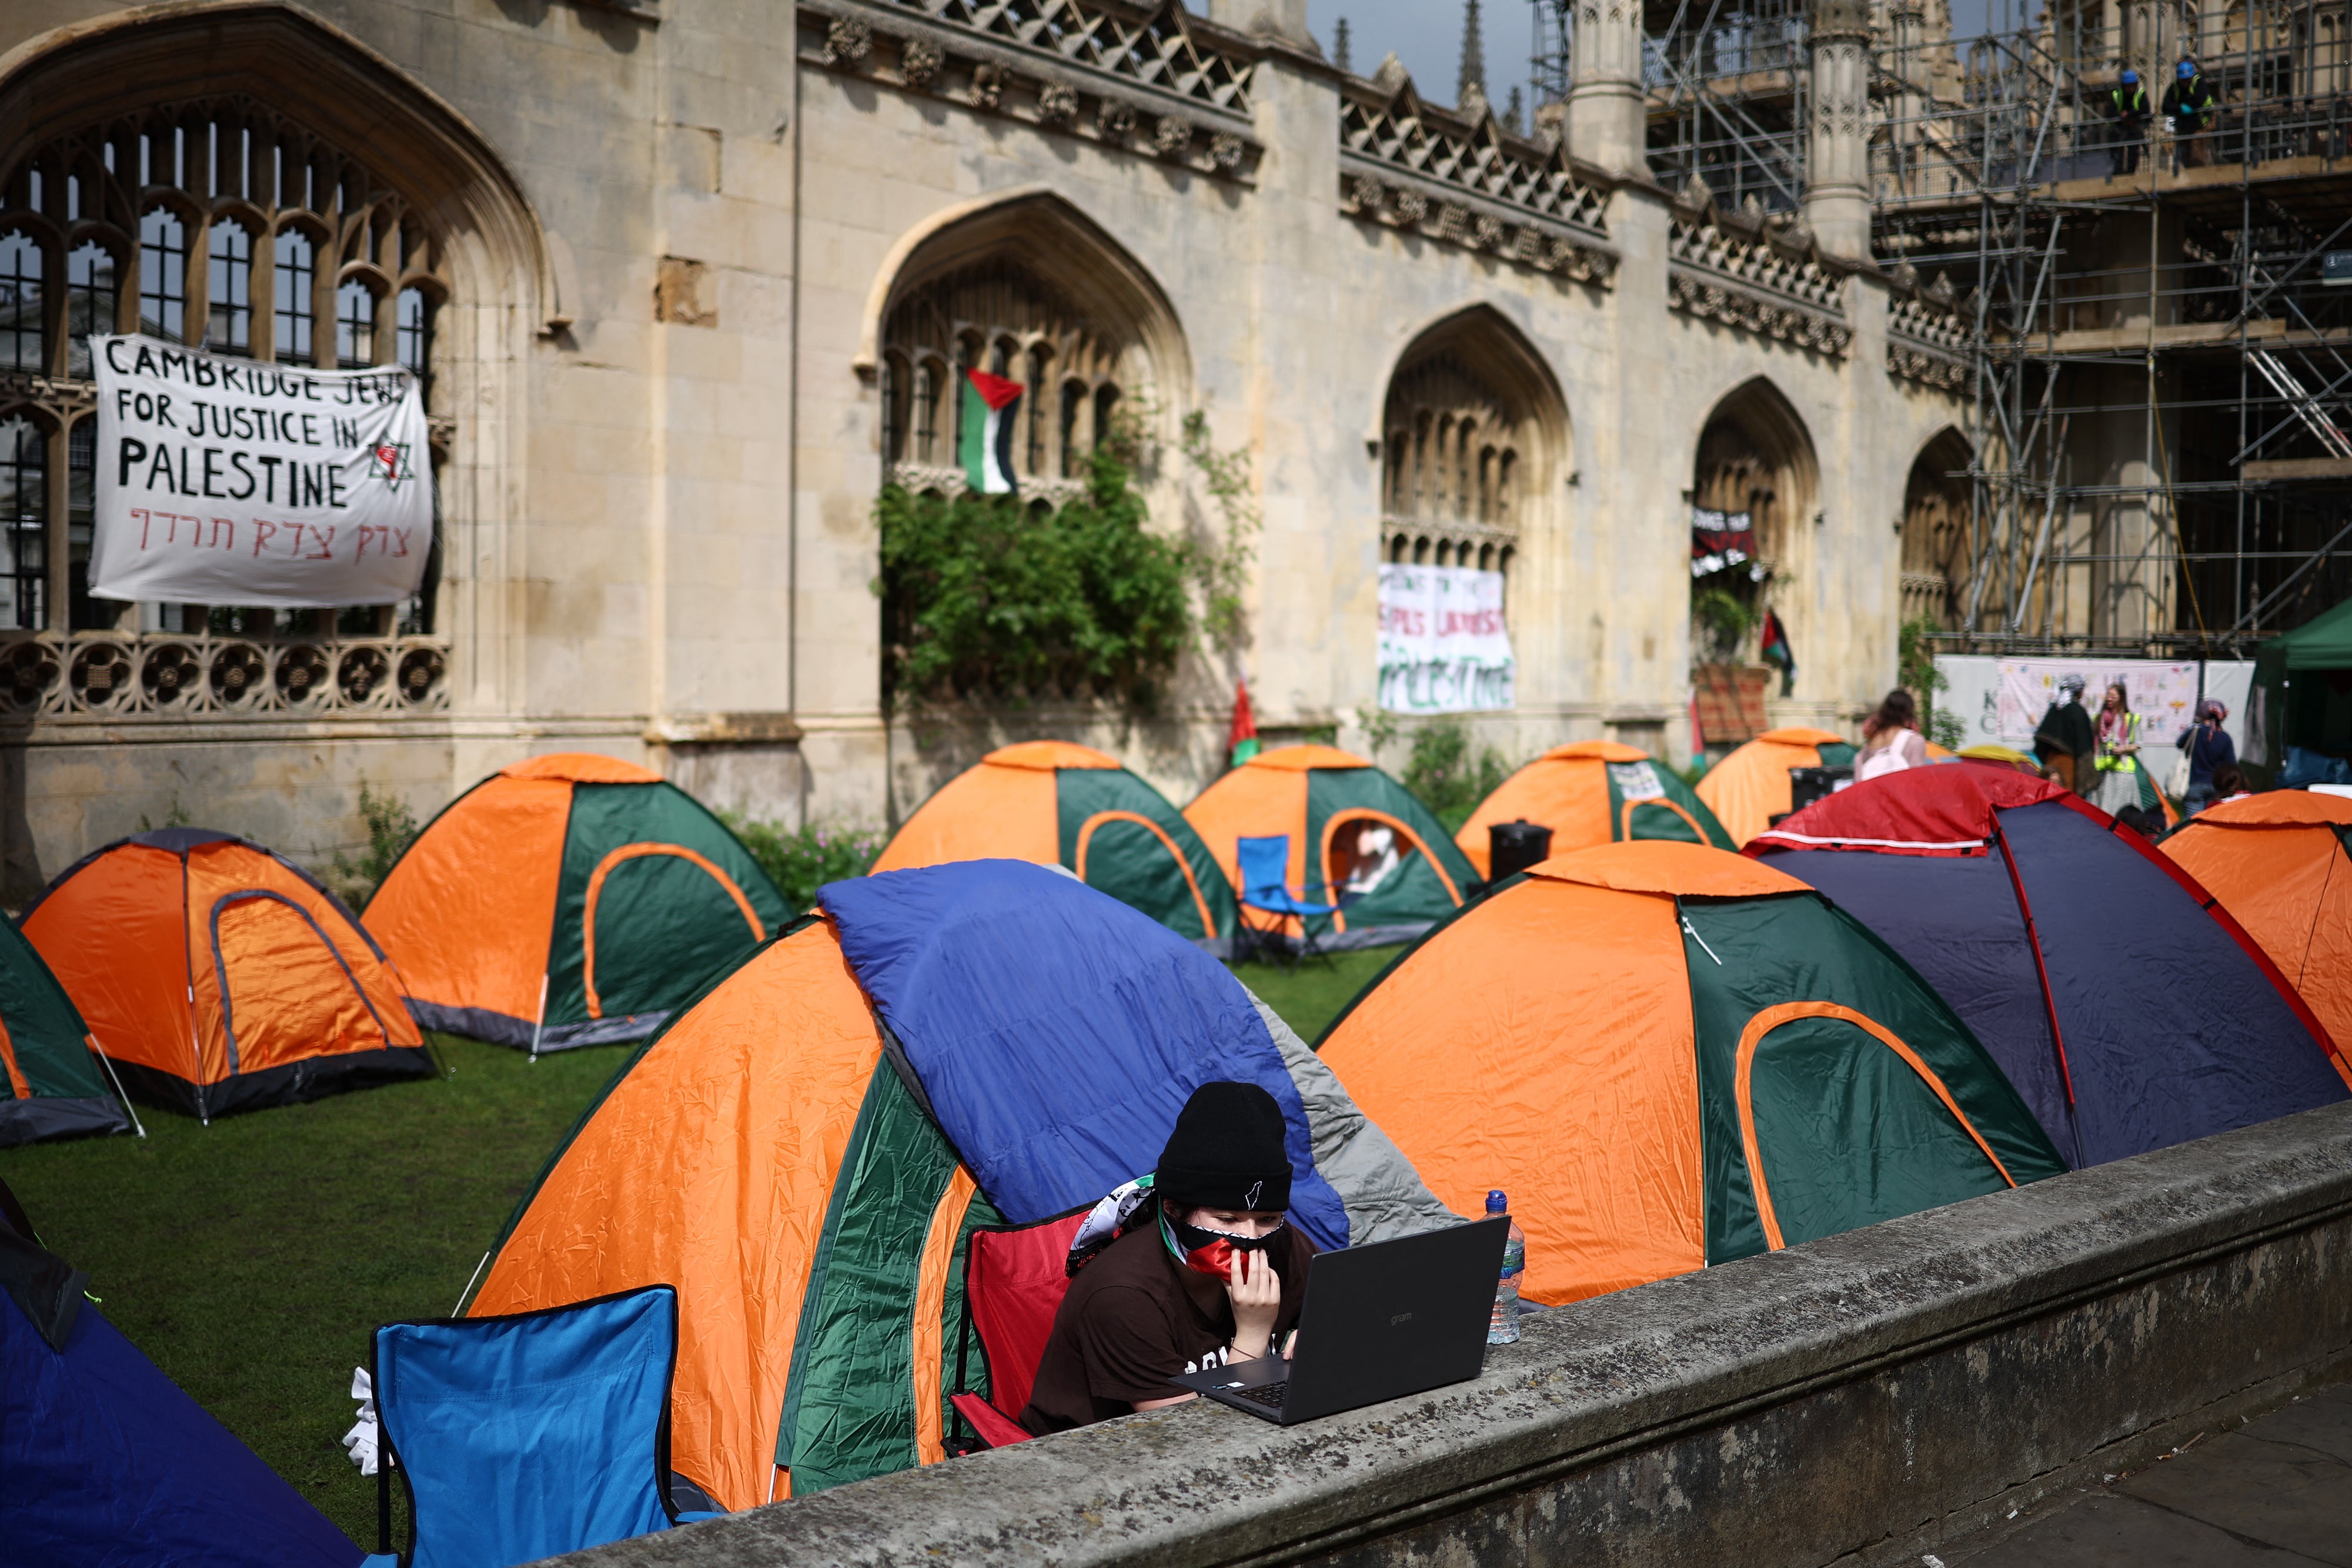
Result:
<point x="105" y="1463"/>
<point x="2129" y="1013"/>
<point x="805" y="1150"/>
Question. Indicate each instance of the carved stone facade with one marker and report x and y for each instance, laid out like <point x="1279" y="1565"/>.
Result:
<point x="692" y="281"/>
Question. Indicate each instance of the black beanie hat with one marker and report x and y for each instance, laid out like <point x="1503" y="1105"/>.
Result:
<point x="1227" y="1151"/>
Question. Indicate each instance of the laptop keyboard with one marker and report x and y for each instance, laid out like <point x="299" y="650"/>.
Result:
<point x="1270" y="1396"/>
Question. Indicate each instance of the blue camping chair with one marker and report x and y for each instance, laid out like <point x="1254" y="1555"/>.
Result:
<point x="1265" y="885"/>
<point x="519" y="1438"/>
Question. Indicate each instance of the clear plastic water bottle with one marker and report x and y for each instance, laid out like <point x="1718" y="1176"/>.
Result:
<point x="1503" y="1328"/>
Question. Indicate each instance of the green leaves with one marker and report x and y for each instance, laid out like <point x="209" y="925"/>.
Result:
<point x="984" y="596"/>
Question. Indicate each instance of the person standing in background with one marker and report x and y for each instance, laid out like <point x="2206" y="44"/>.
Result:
<point x="1891" y="740"/>
<point x="2065" y="739"/>
<point x="2189" y="104"/>
<point x="2117" y="763"/>
<point x="2128" y="101"/>
<point x="2209" y="749"/>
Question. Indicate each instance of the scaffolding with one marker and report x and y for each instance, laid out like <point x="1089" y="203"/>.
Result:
<point x="2159" y="362"/>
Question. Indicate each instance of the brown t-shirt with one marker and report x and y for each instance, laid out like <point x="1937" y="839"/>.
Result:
<point x="1133" y="1318"/>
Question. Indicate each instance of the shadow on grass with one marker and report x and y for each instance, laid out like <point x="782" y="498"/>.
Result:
<point x="249" y="1259"/>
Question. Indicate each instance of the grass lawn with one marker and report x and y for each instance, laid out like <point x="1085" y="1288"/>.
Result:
<point x="249" y="1259"/>
<point x="1311" y="996"/>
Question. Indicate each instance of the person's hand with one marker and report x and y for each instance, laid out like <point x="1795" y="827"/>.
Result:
<point x="1256" y="1291"/>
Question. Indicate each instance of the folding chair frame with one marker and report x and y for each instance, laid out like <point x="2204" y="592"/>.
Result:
<point x="386" y="1457"/>
<point x="966" y="1440"/>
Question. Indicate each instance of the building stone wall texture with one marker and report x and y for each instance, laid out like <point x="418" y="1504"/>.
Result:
<point x="664" y="427"/>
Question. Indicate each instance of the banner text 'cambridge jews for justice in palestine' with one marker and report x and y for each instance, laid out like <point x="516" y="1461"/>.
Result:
<point x="224" y="481"/>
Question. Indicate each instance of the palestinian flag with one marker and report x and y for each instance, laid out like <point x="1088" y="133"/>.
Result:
<point x="1776" y="652"/>
<point x="1241" y="739"/>
<point x="986" y="447"/>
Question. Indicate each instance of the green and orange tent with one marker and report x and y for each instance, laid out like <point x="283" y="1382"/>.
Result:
<point x="1670" y="1057"/>
<point x="56" y="1084"/>
<point x="1750" y="786"/>
<point x="1051" y="802"/>
<point x="217" y="976"/>
<point x="2281" y="865"/>
<point x="803" y="1151"/>
<point x="1323" y="799"/>
<point x="569" y="899"/>
<point x="1594" y="792"/>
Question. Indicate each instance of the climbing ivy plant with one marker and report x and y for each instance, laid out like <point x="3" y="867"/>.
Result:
<point x="985" y="598"/>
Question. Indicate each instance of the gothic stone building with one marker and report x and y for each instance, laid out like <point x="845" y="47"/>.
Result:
<point x="691" y="280"/>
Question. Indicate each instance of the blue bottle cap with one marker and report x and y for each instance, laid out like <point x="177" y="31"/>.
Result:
<point x="1495" y="1202"/>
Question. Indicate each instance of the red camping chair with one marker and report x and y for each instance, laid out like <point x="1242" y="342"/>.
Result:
<point x="1013" y="1280"/>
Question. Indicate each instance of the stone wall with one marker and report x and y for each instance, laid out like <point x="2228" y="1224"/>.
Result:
<point x="665" y="440"/>
<point x="1862" y="1399"/>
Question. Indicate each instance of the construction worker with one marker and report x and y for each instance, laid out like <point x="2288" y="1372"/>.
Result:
<point x="2189" y="104"/>
<point x="2129" y="103"/>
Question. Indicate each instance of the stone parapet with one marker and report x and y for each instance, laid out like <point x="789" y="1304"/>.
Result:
<point x="1860" y="1399"/>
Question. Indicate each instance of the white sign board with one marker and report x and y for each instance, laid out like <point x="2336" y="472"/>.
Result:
<point x="1444" y="647"/>
<point x="228" y="481"/>
<point x="1994" y="708"/>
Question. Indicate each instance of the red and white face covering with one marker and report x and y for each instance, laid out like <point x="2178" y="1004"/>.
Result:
<point x="1210" y="1252"/>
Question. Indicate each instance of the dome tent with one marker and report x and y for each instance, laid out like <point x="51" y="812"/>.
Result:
<point x="802" y="1150"/>
<point x="1054" y="803"/>
<point x="1594" y="792"/>
<point x="1750" y="786"/>
<point x="56" y="1082"/>
<point x="2281" y="863"/>
<point x="569" y="899"/>
<point x="103" y="1460"/>
<point x="217" y="976"/>
<point x="2129" y="1016"/>
<point x="1334" y="807"/>
<point x="1676" y="1057"/>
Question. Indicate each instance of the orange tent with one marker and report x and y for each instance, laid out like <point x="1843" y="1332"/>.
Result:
<point x="569" y="899"/>
<point x="218" y="976"/>
<point x="1672" y="1056"/>
<point x="1747" y="789"/>
<point x="1052" y="802"/>
<point x="2278" y="863"/>
<point x="1593" y="792"/>
<point x="1332" y="805"/>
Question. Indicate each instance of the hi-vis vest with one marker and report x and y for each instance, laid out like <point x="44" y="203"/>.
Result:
<point x="2110" y="762"/>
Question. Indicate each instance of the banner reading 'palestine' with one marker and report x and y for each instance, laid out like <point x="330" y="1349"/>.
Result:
<point x="228" y="481"/>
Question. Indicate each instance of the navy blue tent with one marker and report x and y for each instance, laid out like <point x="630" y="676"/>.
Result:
<point x="2130" y="1011"/>
<point x="105" y="1463"/>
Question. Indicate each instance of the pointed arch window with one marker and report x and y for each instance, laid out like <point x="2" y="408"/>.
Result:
<point x="292" y="290"/>
<point x="164" y="275"/>
<point x="23" y="339"/>
<point x="228" y="269"/>
<point x="92" y="302"/>
<point x="200" y="222"/>
<point x="1003" y="317"/>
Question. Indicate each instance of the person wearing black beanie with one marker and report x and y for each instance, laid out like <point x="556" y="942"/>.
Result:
<point x="1213" y="1277"/>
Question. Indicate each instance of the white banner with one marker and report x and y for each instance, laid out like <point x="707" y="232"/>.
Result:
<point x="228" y="481"/>
<point x="1444" y="647"/>
<point x="2164" y="694"/>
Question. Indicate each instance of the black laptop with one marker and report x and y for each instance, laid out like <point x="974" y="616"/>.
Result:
<point x="1378" y="1322"/>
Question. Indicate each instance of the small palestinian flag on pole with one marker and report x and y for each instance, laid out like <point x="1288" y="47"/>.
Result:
<point x="1241" y="740"/>
<point x="986" y="447"/>
<point x="1774" y="647"/>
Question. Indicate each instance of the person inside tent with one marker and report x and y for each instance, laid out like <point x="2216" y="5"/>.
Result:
<point x="1205" y="1269"/>
<point x="2065" y="738"/>
<point x="1891" y="739"/>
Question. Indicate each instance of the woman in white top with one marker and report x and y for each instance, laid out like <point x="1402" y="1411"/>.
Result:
<point x="1891" y="738"/>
